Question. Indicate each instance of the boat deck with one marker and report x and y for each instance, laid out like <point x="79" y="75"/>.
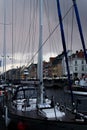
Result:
<point x="33" y="116"/>
<point x="24" y="114"/>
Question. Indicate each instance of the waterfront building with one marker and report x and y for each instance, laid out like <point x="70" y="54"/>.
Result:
<point x="77" y="64"/>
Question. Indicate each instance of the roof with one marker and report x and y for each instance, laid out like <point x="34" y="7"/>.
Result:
<point x="78" y="54"/>
<point x="58" y="59"/>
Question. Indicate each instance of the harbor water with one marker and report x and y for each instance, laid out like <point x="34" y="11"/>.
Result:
<point x="65" y="99"/>
<point x="59" y="97"/>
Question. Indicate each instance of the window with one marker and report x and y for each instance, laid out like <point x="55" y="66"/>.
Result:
<point x="75" y="62"/>
<point x="76" y="68"/>
<point x="82" y="68"/>
<point x="82" y="61"/>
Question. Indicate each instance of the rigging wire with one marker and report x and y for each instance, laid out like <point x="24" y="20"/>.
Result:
<point x="51" y="41"/>
<point x="12" y="34"/>
<point x="35" y="19"/>
<point x="33" y="29"/>
<point x="15" y="26"/>
<point x="50" y="35"/>
<point x="32" y="39"/>
<point x="22" y="29"/>
<point x="72" y="28"/>
<point x="28" y="34"/>
<point x="47" y="13"/>
<point x="67" y="30"/>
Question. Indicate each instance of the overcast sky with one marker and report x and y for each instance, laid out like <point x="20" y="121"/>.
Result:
<point x="26" y="28"/>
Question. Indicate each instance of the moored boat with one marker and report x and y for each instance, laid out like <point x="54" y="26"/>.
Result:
<point x="45" y="115"/>
<point x="77" y="90"/>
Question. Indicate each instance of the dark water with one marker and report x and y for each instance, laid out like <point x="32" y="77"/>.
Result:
<point x="2" y="124"/>
<point x="61" y="97"/>
<point x="65" y="99"/>
<point x="58" y="94"/>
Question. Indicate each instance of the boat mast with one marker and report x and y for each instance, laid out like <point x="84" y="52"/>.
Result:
<point x="4" y="44"/>
<point x="40" y="58"/>
<point x="64" y="48"/>
<point x="80" y="28"/>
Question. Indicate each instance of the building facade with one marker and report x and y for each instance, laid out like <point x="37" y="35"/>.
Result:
<point x="77" y="64"/>
<point x="56" y="67"/>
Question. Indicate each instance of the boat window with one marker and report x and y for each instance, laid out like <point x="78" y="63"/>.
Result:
<point x="27" y="93"/>
<point x="20" y="94"/>
<point x="30" y="93"/>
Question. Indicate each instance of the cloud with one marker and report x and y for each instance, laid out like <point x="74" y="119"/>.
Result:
<point x="26" y="28"/>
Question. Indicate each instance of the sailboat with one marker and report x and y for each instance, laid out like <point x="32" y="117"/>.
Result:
<point x="46" y="116"/>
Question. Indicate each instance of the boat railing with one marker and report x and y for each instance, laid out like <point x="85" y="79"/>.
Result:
<point x="32" y="82"/>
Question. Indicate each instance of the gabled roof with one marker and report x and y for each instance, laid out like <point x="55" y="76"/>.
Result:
<point x="78" y="54"/>
<point x="58" y="59"/>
